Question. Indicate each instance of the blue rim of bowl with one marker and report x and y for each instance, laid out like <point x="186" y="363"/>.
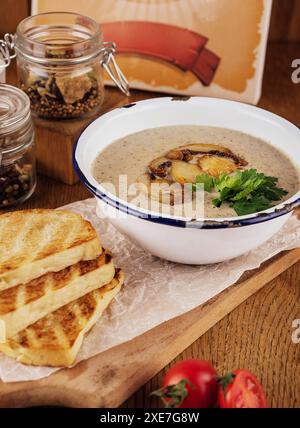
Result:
<point x="259" y="217"/>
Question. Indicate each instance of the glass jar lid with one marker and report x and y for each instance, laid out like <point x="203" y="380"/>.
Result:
<point x="58" y="38"/>
<point x="14" y="108"/>
<point x="15" y="119"/>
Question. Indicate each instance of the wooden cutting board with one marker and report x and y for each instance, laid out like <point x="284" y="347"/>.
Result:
<point x="108" y="379"/>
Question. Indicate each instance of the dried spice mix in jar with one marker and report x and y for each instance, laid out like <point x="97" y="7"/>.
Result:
<point x="60" y="58"/>
<point x="17" y="158"/>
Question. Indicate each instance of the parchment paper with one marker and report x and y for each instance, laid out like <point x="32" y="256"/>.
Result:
<point x="155" y="290"/>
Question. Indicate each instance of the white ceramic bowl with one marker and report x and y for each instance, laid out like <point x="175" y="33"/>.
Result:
<point x="176" y="239"/>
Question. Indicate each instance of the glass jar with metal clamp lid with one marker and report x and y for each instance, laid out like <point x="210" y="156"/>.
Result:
<point x="60" y="61"/>
<point x="17" y="156"/>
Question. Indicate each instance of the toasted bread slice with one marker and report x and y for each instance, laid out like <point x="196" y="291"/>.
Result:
<point x="22" y="305"/>
<point x="56" y="339"/>
<point x="34" y="242"/>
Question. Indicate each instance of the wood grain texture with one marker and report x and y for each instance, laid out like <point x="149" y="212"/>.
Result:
<point x="257" y="334"/>
<point x="11" y="13"/>
<point x="280" y="95"/>
<point x="285" y="21"/>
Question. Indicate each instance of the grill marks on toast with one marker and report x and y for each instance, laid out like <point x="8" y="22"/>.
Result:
<point x="33" y="291"/>
<point x="32" y="235"/>
<point x="60" y="329"/>
<point x="23" y="294"/>
<point x="9" y="301"/>
<point x="40" y="271"/>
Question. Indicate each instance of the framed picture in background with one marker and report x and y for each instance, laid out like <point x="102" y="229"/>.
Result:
<point x="186" y="47"/>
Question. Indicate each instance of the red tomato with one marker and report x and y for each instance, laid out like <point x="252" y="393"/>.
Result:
<point x="189" y="383"/>
<point x="241" y="389"/>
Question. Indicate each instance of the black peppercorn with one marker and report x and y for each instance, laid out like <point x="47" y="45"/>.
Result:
<point x="15" y="183"/>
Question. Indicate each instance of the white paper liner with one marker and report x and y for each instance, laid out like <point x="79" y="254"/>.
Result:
<point x="155" y="290"/>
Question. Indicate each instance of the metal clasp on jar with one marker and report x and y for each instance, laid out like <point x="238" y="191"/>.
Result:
<point x="109" y="63"/>
<point x="7" y="49"/>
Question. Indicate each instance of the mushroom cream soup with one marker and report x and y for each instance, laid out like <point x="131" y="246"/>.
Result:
<point x="179" y="154"/>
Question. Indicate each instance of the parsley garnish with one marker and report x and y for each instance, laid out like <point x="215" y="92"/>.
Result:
<point x="207" y="181"/>
<point x="247" y="192"/>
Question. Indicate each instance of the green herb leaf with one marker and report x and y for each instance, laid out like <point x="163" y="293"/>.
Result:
<point x="247" y="192"/>
<point x="251" y="206"/>
<point x="217" y="202"/>
<point x="206" y="180"/>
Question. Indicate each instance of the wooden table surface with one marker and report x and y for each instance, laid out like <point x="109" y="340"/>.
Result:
<point x="258" y="334"/>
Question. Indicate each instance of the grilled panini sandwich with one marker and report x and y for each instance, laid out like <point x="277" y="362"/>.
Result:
<point x="34" y="242"/>
<point x="56" y="339"/>
<point x="24" y="304"/>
